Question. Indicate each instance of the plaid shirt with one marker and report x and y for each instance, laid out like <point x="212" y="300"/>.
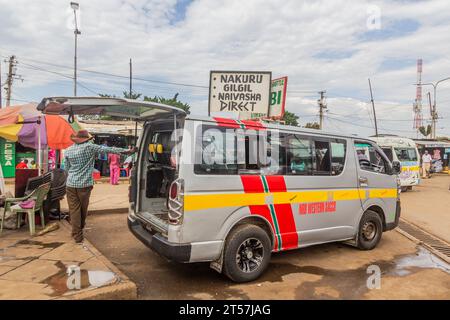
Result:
<point x="79" y="162"/>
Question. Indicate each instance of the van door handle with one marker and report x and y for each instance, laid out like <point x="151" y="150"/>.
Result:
<point x="363" y="181"/>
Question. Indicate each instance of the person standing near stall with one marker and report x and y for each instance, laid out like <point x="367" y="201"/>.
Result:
<point x="114" y="168"/>
<point x="79" y="162"/>
<point x="426" y="164"/>
<point x="103" y="160"/>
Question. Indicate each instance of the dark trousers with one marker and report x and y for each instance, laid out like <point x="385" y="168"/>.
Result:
<point x="103" y="167"/>
<point x="78" y="200"/>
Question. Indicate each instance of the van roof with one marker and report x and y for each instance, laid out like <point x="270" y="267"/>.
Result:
<point x="394" y="141"/>
<point x="233" y="123"/>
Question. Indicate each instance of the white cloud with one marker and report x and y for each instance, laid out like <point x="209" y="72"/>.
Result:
<point x="282" y="36"/>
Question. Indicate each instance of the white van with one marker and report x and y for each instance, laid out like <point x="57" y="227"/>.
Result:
<point x="405" y="151"/>
<point x="231" y="192"/>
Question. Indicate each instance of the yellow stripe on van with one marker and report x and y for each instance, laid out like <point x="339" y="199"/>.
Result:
<point x="211" y="201"/>
<point x="223" y="200"/>
<point x="382" y="193"/>
<point x="412" y="168"/>
<point x="350" y="194"/>
<point x="302" y="196"/>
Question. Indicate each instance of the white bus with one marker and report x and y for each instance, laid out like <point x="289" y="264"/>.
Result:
<point x="403" y="150"/>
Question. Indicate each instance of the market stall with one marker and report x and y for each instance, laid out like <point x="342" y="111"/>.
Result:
<point x="25" y="125"/>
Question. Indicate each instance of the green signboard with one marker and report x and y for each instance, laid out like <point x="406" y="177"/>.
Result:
<point x="8" y="157"/>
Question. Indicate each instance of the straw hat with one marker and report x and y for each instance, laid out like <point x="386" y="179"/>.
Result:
<point x="81" y="136"/>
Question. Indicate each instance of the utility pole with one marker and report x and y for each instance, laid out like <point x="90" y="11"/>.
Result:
<point x="75" y="6"/>
<point x="131" y="79"/>
<point x="322" y="105"/>
<point x="11" y="76"/>
<point x="434" y="114"/>
<point x="373" y="107"/>
<point x="431" y="113"/>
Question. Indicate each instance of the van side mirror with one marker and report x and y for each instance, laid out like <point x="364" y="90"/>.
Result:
<point x="396" y="167"/>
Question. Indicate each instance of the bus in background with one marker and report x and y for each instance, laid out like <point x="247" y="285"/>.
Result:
<point x="403" y="150"/>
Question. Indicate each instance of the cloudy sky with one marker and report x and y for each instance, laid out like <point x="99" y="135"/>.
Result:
<point x="332" y="45"/>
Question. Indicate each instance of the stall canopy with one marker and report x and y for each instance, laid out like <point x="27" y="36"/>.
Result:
<point x="21" y="124"/>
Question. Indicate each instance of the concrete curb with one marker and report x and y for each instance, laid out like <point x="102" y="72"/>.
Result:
<point x="106" y="211"/>
<point x="103" y="211"/>
<point x="421" y="243"/>
<point x="124" y="289"/>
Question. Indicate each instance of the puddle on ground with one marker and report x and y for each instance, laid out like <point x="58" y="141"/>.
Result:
<point x="43" y="245"/>
<point x="79" y="279"/>
<point x="423" y="259"/>
<point x="351" y="284"/>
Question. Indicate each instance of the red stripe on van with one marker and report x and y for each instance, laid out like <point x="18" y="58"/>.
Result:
<point x="285" y="216"/>
<point x="225" y="122"/>
<point x="255" y="125"/>
<point x="253" y="184"/>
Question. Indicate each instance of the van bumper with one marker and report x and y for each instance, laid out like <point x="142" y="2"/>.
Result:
<point x="394" y="224"/>
<point x="172" y="251"/>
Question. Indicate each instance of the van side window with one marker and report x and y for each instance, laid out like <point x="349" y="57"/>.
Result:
<point x="338" y="148"/>
<point x="237" y="151"/>
<point x="215" y="151"/>
<point x="322" y="156"/>
<point x="298" y="155"/>
<point x="369" y="158"/>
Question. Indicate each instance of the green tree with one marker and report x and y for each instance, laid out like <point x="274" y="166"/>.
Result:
<point x="133" y="96"/>
<point x="174" y="102"/>
<point x="290" y="119"/>
<point x="312" y="125"/>
<point x="425" y="131"/>
<point x="105" y="95"/>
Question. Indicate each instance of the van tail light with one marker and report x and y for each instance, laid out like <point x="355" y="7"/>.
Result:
<point x="173" y="191"/>
<point x="176" y="202"/>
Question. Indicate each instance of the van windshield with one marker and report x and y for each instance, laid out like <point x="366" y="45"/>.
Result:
<point x="388" y="153"/>
<point x="406" y="154"/>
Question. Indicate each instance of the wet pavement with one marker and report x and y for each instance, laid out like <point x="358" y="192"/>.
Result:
<point x="51" y="266"/>
<point x="330" y="271"/>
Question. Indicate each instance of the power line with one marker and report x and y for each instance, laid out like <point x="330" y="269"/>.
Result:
<point x="359" y="118"/>
<point x="369" y="127"/>
<point x="33" y="67"/>
<point x="119" y="76"/>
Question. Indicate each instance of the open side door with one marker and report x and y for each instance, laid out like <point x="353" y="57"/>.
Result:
<point x="134" y="109"/>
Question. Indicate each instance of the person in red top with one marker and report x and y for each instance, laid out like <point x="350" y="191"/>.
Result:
<point x="22" y="164"/>
<point x="114" y="168"/>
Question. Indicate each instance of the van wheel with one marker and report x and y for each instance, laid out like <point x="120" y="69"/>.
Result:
<point x="370" y="230"/>
<point x="247" y="253"/>
<point x="404" y="189"/>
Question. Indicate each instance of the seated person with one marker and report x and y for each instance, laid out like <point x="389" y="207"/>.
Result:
<point x="298" y="165"/>
<point x="22" y="164"/>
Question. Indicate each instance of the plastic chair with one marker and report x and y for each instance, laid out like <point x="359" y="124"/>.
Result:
<point x="38" y="195"/>
<point x="35" y="182"/>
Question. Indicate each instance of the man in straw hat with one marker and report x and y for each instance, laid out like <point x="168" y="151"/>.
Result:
<point x="79" y="163"/>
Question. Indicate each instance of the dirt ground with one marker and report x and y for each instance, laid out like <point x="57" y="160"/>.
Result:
<point x="428" y="205"/>
<point x="331" y="271"/>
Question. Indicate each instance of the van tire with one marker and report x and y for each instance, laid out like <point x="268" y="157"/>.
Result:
<point x="253" y="240"/>
<point x="369" y="231"/>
